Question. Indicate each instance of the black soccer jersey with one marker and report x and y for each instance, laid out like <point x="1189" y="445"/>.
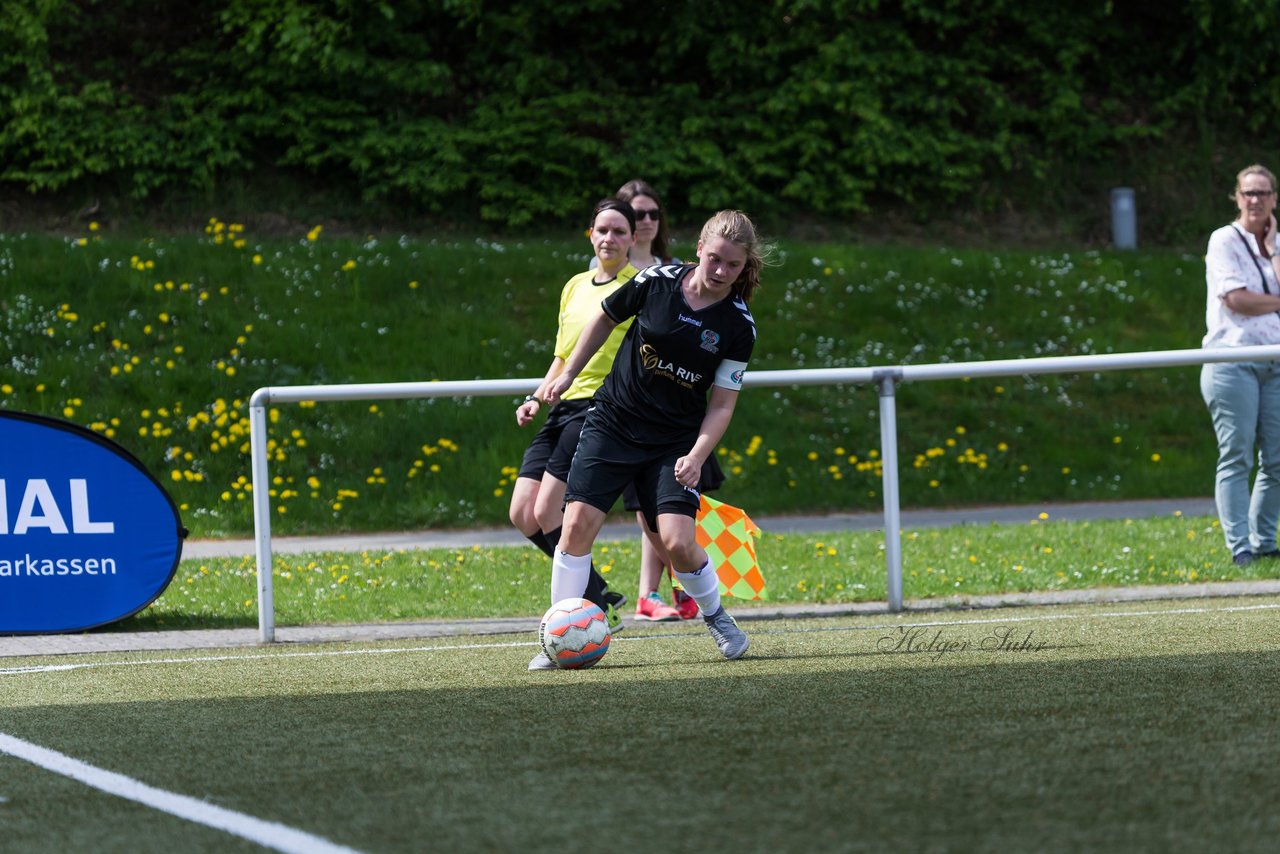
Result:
<point x="656" y="392"/>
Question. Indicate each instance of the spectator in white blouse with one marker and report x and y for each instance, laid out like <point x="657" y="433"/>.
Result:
<point x="1243" y="309"/>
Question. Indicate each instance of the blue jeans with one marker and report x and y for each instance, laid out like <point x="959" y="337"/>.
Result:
<point x="1244" y="402"/>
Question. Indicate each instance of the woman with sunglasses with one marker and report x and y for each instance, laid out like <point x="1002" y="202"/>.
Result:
<point x="652" y="234"/>
<point x="1243" y="310"/>
<point x="537" y="499"/>
<point x="666" y="402"/>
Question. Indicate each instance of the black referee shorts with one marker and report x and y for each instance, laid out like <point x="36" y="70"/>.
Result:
<point x="551" y="450"/>
<point x="605" y="464"/>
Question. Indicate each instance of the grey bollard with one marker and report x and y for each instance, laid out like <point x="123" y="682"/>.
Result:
<point x="1124" y="219"/>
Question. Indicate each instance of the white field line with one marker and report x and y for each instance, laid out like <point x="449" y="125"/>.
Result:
<point x="333" y="653"/>
<point x="268" y="834"/>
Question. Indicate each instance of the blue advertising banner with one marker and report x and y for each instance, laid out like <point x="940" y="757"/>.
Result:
<point x="87" y="535"/>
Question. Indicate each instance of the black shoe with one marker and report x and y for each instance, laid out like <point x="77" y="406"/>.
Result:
<point x="1272" y="553"/>
<point x="617" y="600"/>
<point x="1243" y="558"/>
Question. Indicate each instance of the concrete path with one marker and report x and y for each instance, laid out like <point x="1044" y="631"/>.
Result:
<point x="112" y="641"/>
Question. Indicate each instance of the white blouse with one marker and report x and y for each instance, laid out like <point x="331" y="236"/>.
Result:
<point x="1230" y="265"/>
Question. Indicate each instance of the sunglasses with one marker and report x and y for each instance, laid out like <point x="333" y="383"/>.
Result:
<point x="654" y="215"/>
<point x="1257" y="194"/>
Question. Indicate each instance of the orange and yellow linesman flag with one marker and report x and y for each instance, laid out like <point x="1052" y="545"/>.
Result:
<point x="728" y="535"/>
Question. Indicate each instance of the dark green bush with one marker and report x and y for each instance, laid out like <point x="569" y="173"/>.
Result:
<point x="516" y="114"/>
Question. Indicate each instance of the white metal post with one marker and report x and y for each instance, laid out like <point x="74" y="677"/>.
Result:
<point x="886" y="382"/>
<point x="262" y="512"/>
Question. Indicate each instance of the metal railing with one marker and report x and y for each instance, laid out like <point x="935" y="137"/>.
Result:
<point x="885" y="379"/>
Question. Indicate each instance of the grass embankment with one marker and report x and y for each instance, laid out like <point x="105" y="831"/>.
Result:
<point x="160" y="342"/>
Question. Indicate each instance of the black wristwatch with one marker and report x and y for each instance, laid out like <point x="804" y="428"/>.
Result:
<point x="529" y="397"/>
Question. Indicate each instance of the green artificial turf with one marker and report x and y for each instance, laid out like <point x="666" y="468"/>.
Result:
<point x="1136" y="728"/>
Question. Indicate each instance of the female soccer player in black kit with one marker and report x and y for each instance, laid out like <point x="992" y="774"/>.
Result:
<point x="665" y="404"/>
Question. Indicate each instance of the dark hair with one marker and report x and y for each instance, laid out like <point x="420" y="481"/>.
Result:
<point x="737" y="228"/>
<point x="618" y="205"/>
<point x="629" y="191"/>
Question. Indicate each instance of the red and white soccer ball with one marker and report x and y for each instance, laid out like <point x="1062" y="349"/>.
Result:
<point x="574" y="634"/>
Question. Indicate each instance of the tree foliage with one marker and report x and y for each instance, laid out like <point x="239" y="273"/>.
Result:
<point x="512" y="113"/>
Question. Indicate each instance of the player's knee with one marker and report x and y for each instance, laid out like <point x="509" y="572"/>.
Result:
<point x="685" y="555"/>
<point x="581" y="523"/>
<point x="548" y="518"/>
<point x="522" y="516"/>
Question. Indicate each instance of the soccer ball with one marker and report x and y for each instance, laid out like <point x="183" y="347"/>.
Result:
<point x="574" y="634"/>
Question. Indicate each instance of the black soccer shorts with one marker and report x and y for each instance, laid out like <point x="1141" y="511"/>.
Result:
<point x="551" y="450"/>
<point x="606" y="464"/>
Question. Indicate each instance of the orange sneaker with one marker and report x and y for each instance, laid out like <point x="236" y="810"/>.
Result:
<point x="686" y="607"/>
<point x="653" y="609"/>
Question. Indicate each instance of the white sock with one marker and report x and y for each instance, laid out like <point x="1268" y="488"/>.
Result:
<point x="569" y="574"/>
<point x="703" y="586"/>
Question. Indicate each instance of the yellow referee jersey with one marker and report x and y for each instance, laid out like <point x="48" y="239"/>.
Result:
<point x="579" y="304"/>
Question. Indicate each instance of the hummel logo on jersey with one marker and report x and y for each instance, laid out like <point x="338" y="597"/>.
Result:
<point x="709" y="341"/>
<point x="690" y="320"/>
